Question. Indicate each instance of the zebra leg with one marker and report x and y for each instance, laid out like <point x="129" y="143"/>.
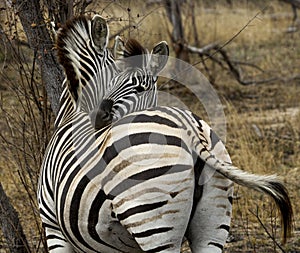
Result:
<point x="56" y="242"/>
<point x="209" y="226"/>
<point x="210" y="222"/>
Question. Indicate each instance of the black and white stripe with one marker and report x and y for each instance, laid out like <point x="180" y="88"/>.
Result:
<point x="92" y="72"/>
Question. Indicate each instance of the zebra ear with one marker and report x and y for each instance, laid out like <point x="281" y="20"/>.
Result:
<point x="99" y="32"/>
<point x="119" y="48"/>
<point x="159" y="57"/>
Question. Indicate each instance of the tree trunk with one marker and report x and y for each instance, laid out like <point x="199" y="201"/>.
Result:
<point x="40" y="41"/>
<point x="174" y="15"/>
<point x="10" y="225"/>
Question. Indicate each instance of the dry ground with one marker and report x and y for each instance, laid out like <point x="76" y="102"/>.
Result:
<point x="263" y="121"/>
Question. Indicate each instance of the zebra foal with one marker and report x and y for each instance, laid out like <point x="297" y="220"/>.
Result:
<point x="135" y="86"/>
<point x="89" y="65"/>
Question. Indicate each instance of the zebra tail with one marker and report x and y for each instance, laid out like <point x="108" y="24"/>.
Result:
<point x="269" y="184"/>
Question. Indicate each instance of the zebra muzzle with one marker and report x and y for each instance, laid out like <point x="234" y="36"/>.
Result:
<point x="102" y="116"/>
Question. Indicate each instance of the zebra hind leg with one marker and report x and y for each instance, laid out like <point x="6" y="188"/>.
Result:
<point x="210" y="222"/>
<point x="211" y="215"/>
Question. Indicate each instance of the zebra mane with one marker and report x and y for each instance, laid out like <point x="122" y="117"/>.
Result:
<point x="133" y="48"/>
<point x="74" y="32"/>
<point x="135" y="55"/>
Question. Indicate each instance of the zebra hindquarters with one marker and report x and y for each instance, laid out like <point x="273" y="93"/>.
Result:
<point x="156" y="212"/>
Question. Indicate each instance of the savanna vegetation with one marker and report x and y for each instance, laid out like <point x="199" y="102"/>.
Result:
<point x="250" y="58"/>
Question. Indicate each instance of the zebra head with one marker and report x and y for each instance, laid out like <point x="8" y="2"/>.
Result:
<point x="134" y="89"/>
<point x="88" y="64"/>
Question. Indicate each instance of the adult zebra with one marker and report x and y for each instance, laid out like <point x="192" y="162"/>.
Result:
<point x="90" y="66"/>
<point x="221" y="189"/>
<point x="129" y="186"/>
<point x="101" y="191"/>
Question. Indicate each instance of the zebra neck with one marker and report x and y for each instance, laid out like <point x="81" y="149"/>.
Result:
<point x="95" y="83"/>
<point x="85" y="92"/>
<point x="88" y="70"/>
<point x="66" y="108"/>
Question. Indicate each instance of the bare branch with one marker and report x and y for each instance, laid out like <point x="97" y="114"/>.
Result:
<point x="202" y="50"/>
<point x="266" y="230"/>
<point x="150" y="2"/>
<point x="231" y="64"/>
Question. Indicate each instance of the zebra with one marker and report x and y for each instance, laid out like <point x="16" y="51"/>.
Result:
<point x="217" y="188"/>
<point x="89" y="64"/>
<point x="133" y="185"/>
<point x="133" y="194"/>
<point x="137" y="81"/>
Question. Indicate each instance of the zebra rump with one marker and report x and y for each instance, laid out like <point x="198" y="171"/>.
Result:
<point x="268" y="184"/>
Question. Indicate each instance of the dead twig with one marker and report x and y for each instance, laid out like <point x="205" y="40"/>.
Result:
<point x="205" y="51"/>
<point x="231" y="64"/>
<point x="266" y="230"/>
<point x="202" y="50"/>
<point x="134" y="25"/>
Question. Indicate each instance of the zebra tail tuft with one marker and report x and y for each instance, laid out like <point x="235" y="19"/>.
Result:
<point x="284" y="204"/>
<point x="269" y="184"/>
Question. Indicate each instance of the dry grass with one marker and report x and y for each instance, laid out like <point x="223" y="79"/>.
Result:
<point x="262" y="121"/>
<point x="264" y="147"/>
